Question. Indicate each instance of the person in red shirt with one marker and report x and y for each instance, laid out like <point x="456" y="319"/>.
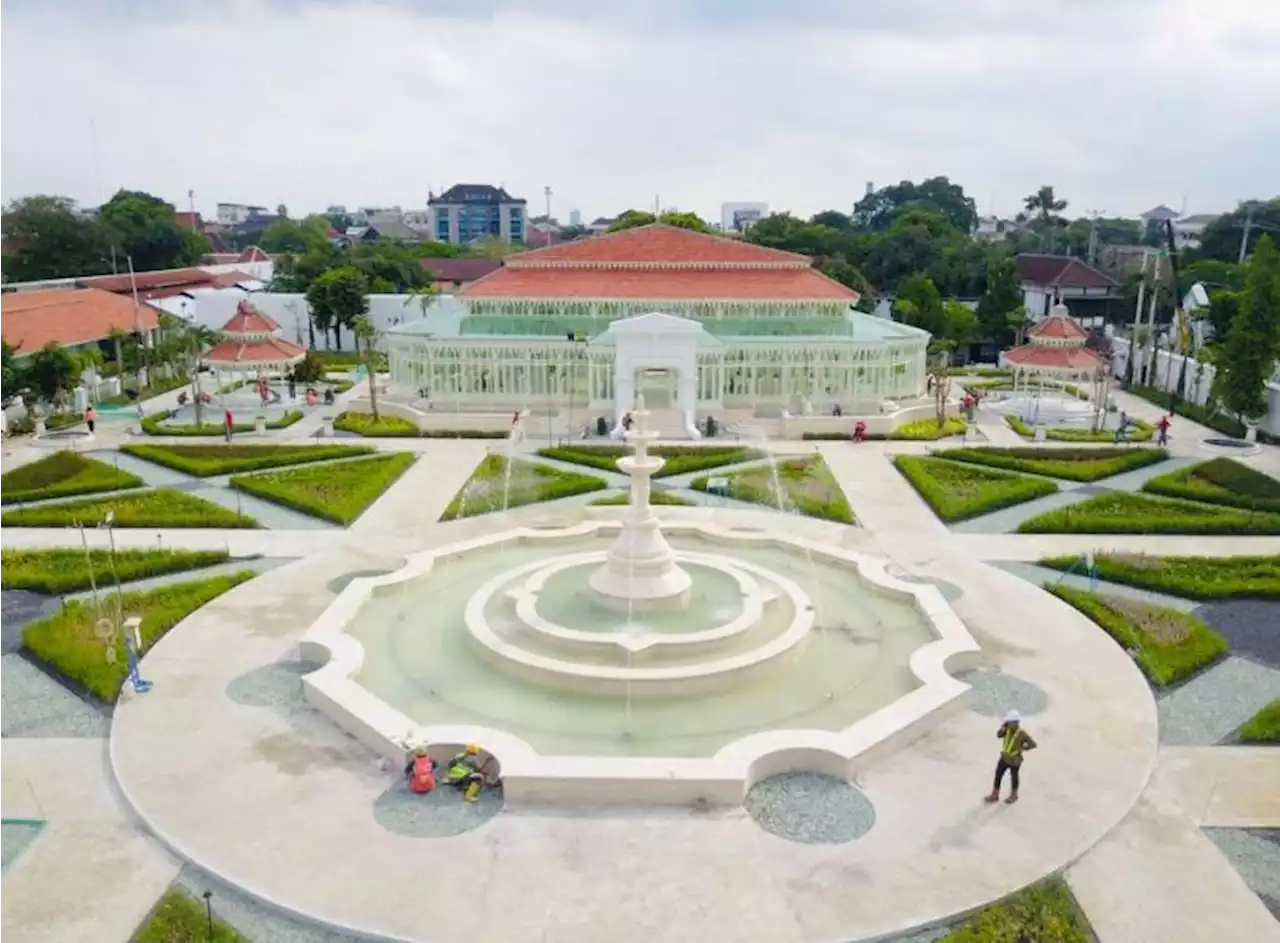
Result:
<point x="859" y="431"/>
<point x="1163" y="425"/>
<point x="229" y="422"/>
<point x="90" y="417"/>
<point x="421" y="771"/>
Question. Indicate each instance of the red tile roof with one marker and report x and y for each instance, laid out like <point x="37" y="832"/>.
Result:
<point x="656" y="243"/>
<point x="1063" y="358"/>
<point x="188" y="219"/>
<point x="253" y="254"/>
<point x="237" y="352"/>
<point x="645" y="283"/>
<point x="249" y="320"/>
<point x="1060" y="327"/>
<point x="68" y="316"/>
<point x="460" y="270"/>
<point x="1062" y="271"/>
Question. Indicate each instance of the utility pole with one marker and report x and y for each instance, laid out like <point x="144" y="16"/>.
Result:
<point x="191" y="202"/>
<point x="1130" y="369"/>
<point x="1244" y="237"/>
<point x="1093" y="235"/>
<point x="546" y="191"/>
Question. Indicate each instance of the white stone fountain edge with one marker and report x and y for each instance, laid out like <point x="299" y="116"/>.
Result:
<point x="724" y="778"/>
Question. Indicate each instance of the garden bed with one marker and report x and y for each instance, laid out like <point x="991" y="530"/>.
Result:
<point x="1168" y="645"/>
<point x="381" y="428"/>
<point x="957" y="492"/>
<point x="338" y="492"/>
<point x="205" y="461"/>
<point x="161" y="507"/>
<point x="1262" y="727"/>
<point x="67" y="570"/>
<point x="1139" y="431"/>
<point x="804" y="485"/>
<point x="1071" y="464"/>
<point x="680" y="459"/>
<point x="1123" y="513"/>
<point x="1221" y="422"/>
<point x="180" y="918"/>
<point x="490" y="485"/>
<point x="62" y="475"/>
<point x="927" y="430"/>
<point x="1220" y="481"/>
<point x="655" y="498"/>
<point x="67" y="643"/>
<point x="1045" y="912"/>
<point x="1188" y="577"/>
<point x="159" y="425"/>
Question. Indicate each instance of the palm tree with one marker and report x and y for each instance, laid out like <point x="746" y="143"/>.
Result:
<point x="198" y="339"/>
<point x="364" y="330"/>
<point x="117" y="341"/>
<point x="1045" y="202"/>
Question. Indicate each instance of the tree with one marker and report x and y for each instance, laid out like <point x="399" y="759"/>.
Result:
<point x="14" y="373"/>
<point x="1003" y="296"/>
<point x="786" y="232"/>
<point x="1248" y="356"/>
<point x="917" y="241"/>
<point x="1044" y="203"/>
<point x="832" y="219"/>
<point x="961" y="323"/>
<point x="337" y="298"/>
<point x="1223" y="307"/>
<point x="117" y="335"/>
<point x="632" y="218"/>
<point x="1017" y="321"/>
<point x="146" y="229"/>
<point x="53" y="372"/>
<point x="877" y="210"/>
<point x="919" y="304"/>
<point x="847" y="275"/>
<point x="1221" y="239"/>
<point x="46" y="237"/>
<point x="365" y="333"/>
<point x="290" y="235"/>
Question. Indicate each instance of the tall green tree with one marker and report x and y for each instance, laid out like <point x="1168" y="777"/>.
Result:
<point x="146" y="229"/>
<point x="14" y="373"/>
<point x="787" y="232"/>
<point x="1003" y="295"/>
<point x="46" y="237"/>
<point x="877" y="210"/>
<point x="53" y="371"/>
<point x="1248" y="356"/>
<point x="919" y="304"/>
<point x="1045" y="206"/>
<point x="337" y="298"/>
<point x="632" y="218"/>
<point x="295" y="235"/>
<point x="1221" y="239"/>
<point x="367" y="336"/>
<point x="847" y="275"/>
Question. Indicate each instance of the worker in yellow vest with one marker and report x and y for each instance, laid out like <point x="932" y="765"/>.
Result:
<point x="1014" y="742"/>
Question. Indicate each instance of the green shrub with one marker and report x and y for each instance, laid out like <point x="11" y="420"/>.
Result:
<point x="1122" y="513"/>
<point x="957" y="492"/>
<point x="1223" y="423"/>
<point x="205" y="461"/>
<point x="62" y="475"/>
<point x="655" y="498"/>
<point x="1189" y="577"/>
<point x="1042" y="913"/>
<point x="161" y="507"/>
<point x="1072" y="464"/>
<point x="62" y="421"/>
<point x="680" y="459"/>
<point x="22" y="425"/>
<point x="466" y="433"/>
<point x="180" y="918"/>
<point x="806" y="485"/>
<point x="1264" y="726"/>
<point x="156" y="388"/>
<point x="159" y="425"/>
<point x="1138" y="431"/>
<point x="348" y="358"/>
<point x="1220" y="481"/>
<point x="65" y="569"/>
<point x="928" y="429"/>
<point x="339" y="492"/>
<point x="66" y="641"/>
<point x="383" y="427"/>
<point x="526" y="483"/>
<point x="1168" y="645"/>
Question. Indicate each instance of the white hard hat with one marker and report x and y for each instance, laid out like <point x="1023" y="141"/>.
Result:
<point x="1012" y="717"/>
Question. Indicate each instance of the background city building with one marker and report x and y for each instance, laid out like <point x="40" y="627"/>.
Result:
<point x="468" y="212"/>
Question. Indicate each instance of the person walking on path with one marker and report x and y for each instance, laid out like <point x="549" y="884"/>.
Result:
<point x="1123" y="427"/>
<point x="229" y="422"/>
<point x="1014" y="742"/>
<point x="90" y="417"/>
<point x="1163" y="425"/>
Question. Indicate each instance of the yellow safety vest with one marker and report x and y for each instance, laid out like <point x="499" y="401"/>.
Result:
<point x="1012" y="747"/>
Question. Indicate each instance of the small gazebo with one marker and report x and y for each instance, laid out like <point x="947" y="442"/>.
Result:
<point x="251" y="347"/>
<point x="1056" y="352"/>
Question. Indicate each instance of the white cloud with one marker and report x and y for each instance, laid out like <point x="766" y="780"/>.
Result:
<point x="1119" y="104"/>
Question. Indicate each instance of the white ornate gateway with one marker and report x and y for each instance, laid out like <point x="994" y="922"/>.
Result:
<point x="698" y="324"/>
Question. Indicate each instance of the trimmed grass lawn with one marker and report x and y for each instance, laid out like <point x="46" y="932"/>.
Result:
<point x="926" y="430"/>
<point x="159" y="425"/>
<point x="61" y="475"/>
<point x="1189" y="577"/>
<point x="1123" y="513"/>
<point x="65" y="570"/>
<point x="205" y="461"/>
<point x="527" y="483"/>
<point x="1138" y="431"/>
<point x="383" y="427"/>
<point x="1045" y="912"/>
<point x="957" y="491"/>
<point x="66" y="641"/>
<point x="806" y="485"/>
<point x="1220" y="481"/>
<point x="1071" y="464"/>
<point x="1264" y="726"/>
<point x="159" y="507"/>
<point x="338" y="492"/>
<point x="1168" y="645"/>
<point x="655" y="498"/>
<point x="180" y="918"/>
<point x="681" y="459"/>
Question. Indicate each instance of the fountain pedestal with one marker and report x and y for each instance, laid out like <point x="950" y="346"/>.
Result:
<point x="640" y="570"/>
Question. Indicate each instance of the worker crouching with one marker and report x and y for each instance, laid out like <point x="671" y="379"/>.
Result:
<point x="466" y="772"/>
<point x="421" y="771"/>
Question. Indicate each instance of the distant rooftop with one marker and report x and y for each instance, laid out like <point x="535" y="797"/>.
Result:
<point x="473" y="193"/>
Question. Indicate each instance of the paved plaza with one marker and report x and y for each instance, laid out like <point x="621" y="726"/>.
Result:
<point x="223" y="776"/>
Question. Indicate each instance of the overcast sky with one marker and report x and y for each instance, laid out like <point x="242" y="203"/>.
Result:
<point x="1120" y="104"/>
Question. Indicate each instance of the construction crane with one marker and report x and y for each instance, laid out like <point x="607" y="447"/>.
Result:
<point x="1180" y="320"/>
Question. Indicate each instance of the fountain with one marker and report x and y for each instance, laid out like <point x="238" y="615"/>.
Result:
<point x="628" y="657"/>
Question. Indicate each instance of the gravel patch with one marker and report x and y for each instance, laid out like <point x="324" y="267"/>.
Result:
<point x="1251" y="627"/>
<point x="18" y="609"/>
<point x="1213" y="704"/>
<point x="277" y="686"/>
<point x="1006" y="520"/>
<point x="15" y="836"/>
<point x="811" y="808"/>
<point x="441" y="813"/>
<point x="32" y="704"/>
<point x="995" y="693"/>
<point x="1255" y="854"/>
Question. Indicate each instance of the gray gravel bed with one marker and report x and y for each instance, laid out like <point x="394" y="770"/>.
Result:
<point x="995" y="693"/>
<point x="157" y="476"/>
<point x="1134" y="480"/>
<point x="18" y="609"/>
<point x="441" y="813"/>
<point x="1251" y="626"/>
<point x="32" y="704"/>
<point x="1216" y="702"/>
<point x="1255" y="854"/>
<point x="268" y="514"/>
<point x="811" y="808"/>
<point x="1006" y="520"/>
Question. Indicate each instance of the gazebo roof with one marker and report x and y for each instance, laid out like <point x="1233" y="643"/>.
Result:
<point x="233" y="352"/>
<point x="1038" y="357"/>
<point x="249" y="320"/>
<point x="1059" y="326"/>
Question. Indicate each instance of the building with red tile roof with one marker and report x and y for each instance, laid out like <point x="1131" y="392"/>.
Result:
<point x="1049" y="279"/>
<point x="454" y="273"/>
<point x="251" y="345"/>
<point x="69" y="317"/>
<point x="1056" y="349"/>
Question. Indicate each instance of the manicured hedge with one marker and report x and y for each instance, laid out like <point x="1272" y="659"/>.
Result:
<point x="62" y="475"/>
<point x="383" y="427"/>
<point x="1220" y="481"/>
<point x="159" y="425"/>
<point x="1042" y="913"/>
<point x="1138" y="431"/>
<point x="1148" y="632"/>
<point x="1223" y="423"/>
<point x="336" y="492"/>
<point x="1189" y="577"/>
<point x="205" y="461"/>
<point x="161" y="507"/>
<point x="680" y="459"/>
<point x="66" y="641"/>
<point x="180" y="918"/>
<point x="62" y="421"/>
<point x="466" y="433"/>
<point x="928" y="429"/>
<point x="527" y="483"/>
<point x="156" y="388"/>
<point x="807" y="487"/>
<point x="1072" y="464"/>
<point x="65" y="569"/>
<point x="957" y="492"/>
<point x="655" y="498"/>
<point x="1264" y="726"/>
<point x="1123" y="513"/>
